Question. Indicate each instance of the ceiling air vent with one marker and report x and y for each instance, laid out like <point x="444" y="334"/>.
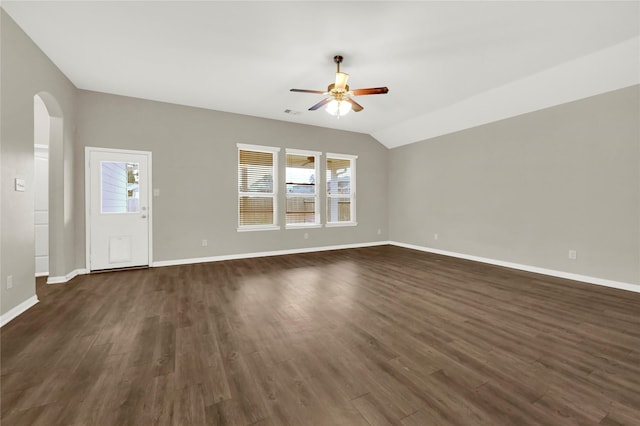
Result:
<point x="292" y="112"/>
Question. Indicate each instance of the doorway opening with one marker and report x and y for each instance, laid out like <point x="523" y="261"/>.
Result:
<point x="47" y="134"/>
<point x="49" y="193"/>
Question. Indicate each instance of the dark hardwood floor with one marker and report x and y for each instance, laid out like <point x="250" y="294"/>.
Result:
<point x="380" y="335"/>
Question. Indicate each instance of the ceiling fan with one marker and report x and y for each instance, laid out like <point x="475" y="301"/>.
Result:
<point x="339" y="101"/>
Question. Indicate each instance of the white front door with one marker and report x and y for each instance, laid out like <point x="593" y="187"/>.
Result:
<point x="118" y="208"/>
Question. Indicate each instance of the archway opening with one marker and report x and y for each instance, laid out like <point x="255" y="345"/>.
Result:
<point x="47" y="141"/>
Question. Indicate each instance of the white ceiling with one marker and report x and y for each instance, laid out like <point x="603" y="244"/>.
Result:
<point x="449" y="65"/>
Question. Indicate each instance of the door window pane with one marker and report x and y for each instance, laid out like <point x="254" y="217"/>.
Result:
<point x="120" y="187"/>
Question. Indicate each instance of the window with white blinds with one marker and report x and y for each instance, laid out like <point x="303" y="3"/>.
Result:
<point x="302" y="170"/>
<point x="257" y="187"/>
<point x="341" y="189"/>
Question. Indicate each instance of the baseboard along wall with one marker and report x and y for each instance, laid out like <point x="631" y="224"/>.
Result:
<point x="264" y="254"/>
<point x="4" y="319"/>
<point x="63" y="279"/>
<point x="551" y="272"/>
<point x="21" y="308"/>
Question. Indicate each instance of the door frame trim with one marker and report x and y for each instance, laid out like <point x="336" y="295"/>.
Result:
<point x="87" y="197"/>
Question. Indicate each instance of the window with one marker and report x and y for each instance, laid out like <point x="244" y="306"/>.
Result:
<point x="341" y="189"/>
<point x="302" y="191"/>
<point x="257" y="187"/>
<point x="119" y="187"/>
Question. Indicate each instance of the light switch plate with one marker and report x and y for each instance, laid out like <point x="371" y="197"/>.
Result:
<point x="20" y="185"/>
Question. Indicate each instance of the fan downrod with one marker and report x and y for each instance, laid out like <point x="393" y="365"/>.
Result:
<point x="337" y="59"/>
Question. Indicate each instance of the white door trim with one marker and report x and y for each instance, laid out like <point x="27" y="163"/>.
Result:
<point x="87" y="197"/>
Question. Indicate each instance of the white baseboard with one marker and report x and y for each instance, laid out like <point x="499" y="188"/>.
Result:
<point x="41" y="274"/>
<point x="14" y="312"/>
<point x="264" y="254"/>
<point x="535" y="269"/>
<point x="528" y="268"/>
<point x="68" y="277"/>
<point x="22" y="307"/>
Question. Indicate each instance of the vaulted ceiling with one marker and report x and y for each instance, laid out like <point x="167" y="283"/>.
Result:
<point x="449" y="65"/>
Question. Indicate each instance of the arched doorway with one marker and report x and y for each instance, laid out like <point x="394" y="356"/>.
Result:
<point x="48" y="141"/>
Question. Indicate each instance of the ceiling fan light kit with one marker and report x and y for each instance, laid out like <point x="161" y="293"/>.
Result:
<point x="340" y="100"/>
<point x="338" y="108"/>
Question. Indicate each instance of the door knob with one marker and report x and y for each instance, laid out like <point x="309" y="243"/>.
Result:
<point x="144" y="216"/>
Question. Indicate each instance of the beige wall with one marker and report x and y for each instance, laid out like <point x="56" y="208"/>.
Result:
<point x="195" y="169"/>
<point x="528" y="189"/>
<point x="26" y="71"/>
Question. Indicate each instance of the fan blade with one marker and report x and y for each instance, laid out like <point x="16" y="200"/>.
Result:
<point x="320" y="104"/>
<point x="370" y="91"/>
<point x="356" y="107"/>
<point x="320" y="92"/>
<point x="341" y="80"/>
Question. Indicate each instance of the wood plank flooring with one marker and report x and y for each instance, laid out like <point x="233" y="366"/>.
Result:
<point x="372" y="336"/>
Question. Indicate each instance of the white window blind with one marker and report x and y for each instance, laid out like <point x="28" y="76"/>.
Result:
<point x="302" y="169"/>
<point x="341" y="189"/>
<point x="257" y="187"/>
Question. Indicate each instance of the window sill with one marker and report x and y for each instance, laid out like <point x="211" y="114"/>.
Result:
<point x="338" y="224"/>
<point x="303" y="226"/>
<point x="258" y="228"/>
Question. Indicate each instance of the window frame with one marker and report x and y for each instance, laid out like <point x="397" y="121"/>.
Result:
<point x="274" y="195"/>
<point x="352" y="189"/>
<point x="316" y="196"/>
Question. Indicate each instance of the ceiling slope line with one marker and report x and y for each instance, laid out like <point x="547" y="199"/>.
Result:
<point x="606" y="70"/>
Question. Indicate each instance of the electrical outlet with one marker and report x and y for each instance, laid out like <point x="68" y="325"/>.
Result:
<point x="306" y="235"/>
<point x="205" y="243"/>
<point x="379" y="231"/>
<point x="573" y="255"/>
<point x="9" y="282"/>
<point x="435" y="236"/>
<point x="156" y="192"/>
